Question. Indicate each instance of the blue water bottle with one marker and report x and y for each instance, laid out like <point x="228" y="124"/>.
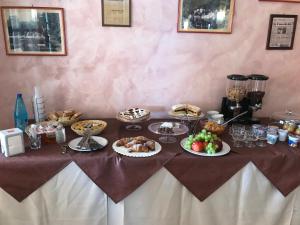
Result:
<point x="20" y="115"/>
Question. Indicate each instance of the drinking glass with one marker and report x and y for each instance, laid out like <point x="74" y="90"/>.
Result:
<point x="60" y="136"/>
<point x="261" y="135"/>
<point x="35" y="142"/>
<point x="250" y="138"/>
<point x="237" y="132"/>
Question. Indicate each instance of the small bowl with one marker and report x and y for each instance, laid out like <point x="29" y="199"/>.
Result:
<point x="214" y="127"/>
<point x="97" y="126"/>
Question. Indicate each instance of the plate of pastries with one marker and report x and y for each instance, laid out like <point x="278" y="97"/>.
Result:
<point x="186" y="111"/>
<point x="139" y="146"/>
<point x="66" y="117"/>
<point x="134" y="115"/>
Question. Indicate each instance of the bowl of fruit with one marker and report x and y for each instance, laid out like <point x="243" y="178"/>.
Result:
<point x="205" y="143"/>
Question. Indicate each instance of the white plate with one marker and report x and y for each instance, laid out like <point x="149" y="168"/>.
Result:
<point x="124" y="151"/>
<point x="225" y="150"/>
<point x="73" y="144"/>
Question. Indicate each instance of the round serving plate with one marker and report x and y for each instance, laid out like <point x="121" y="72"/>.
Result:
<point x="178" y="129"/>
<point x="133" y="125"/>
<point x="225" y="150"/>
<point x="74" y="143"/>
<point x="125" y="151"/>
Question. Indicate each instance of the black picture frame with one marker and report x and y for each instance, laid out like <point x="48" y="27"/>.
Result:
<point x="116" y="13"/>
<point x="281" y="33"/>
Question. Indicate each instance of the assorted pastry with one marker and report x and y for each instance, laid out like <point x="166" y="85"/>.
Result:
<point x="66" y="117"/>
<point x="185" y="110"/>
<point x="137" y="144"/>
<point x="133" y="114"/>
<point x="205" y="142"/>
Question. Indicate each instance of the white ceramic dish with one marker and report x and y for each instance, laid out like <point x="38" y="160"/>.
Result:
<point x="74" y="143"/>
<point x="124" y="151"/>
<point x="225" y="150"/>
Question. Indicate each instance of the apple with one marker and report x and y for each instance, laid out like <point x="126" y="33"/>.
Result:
<point x="197" y="146"/>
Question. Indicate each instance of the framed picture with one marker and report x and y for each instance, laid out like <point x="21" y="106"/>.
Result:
<point x="281" y="33"/>
<point x="116" y="13"/>
<point x="295" y="1"/>
<point x="208" y="16"/>
<point x="34" y="31"/>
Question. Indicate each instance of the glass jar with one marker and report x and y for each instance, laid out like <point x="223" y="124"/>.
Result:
<point x="290" y="126"/>
<point x="298" y="130"/>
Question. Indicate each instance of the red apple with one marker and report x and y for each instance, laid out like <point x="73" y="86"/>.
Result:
<point x="197" y="146"/>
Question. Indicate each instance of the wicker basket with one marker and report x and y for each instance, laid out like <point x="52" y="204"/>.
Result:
<point x="97" y="126"/>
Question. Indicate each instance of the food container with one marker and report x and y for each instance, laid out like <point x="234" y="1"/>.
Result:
<point x="236" y="87"/>
<point x="293" y="140"/>
<point x="272" y="138"/>
<point x="290" y="126"/>
<point x="288" y="120"/>
<point x="282" y="134"/>
<point x="256" y="90"/>
<point x="297" y="132"/>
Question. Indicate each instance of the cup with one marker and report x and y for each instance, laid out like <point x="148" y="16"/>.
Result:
<point x="60" y="135"/>
<point x="255" y="128"/>
<point x="282" y="134"/>
<point x="272" y="138"/>
<point x="211" y="113"/>
<point x="35" y="142"/>
<point x="218" y="118"/>
<point x="261" y="135"/>
<point x="293" y="141"/>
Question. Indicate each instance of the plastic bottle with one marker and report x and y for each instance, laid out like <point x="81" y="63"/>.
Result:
<point x="20" y="115"/>
<point x="38" y="105"/>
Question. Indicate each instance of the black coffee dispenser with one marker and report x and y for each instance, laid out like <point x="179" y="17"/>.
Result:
<point x="244" y="94"/>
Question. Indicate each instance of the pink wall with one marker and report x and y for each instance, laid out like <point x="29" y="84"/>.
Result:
<point x="150" y="64"/>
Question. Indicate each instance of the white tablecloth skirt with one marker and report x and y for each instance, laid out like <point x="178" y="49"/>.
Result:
<point x="71" y="198"/>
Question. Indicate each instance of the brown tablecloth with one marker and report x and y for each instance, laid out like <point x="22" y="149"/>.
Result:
<point x="118" y="175"/>
<point x="21" y="175"/>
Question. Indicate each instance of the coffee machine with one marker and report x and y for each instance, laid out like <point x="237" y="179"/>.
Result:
<point x="244" y="96"/>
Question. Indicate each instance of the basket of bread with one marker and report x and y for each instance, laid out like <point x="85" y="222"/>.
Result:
<point x="66" y="118"/>
<point x="95" y="127"/>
